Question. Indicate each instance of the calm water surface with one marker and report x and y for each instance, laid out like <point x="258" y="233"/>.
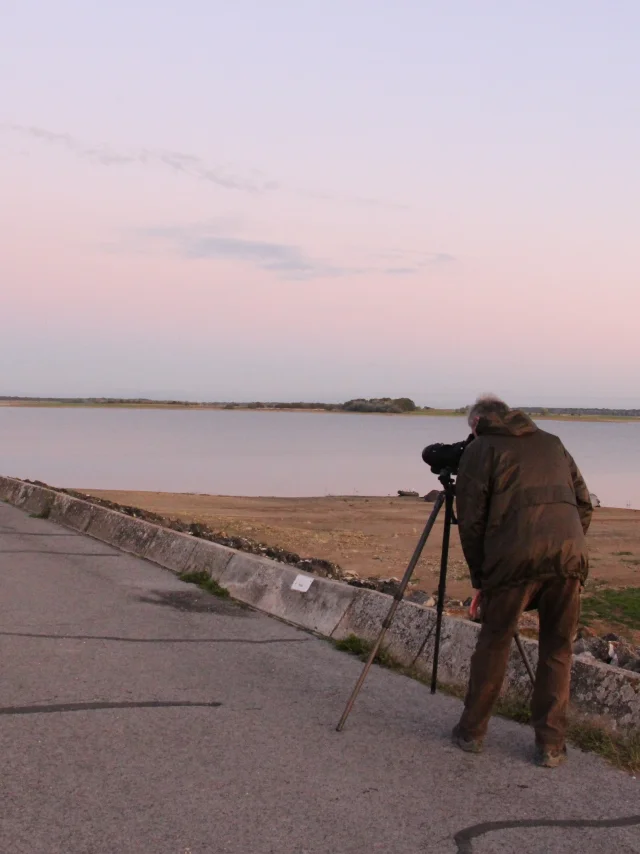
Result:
<point x="280" y="454"/>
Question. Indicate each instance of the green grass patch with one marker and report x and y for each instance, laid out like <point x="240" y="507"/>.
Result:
<point x="621" y="749"/>
<point x="613" y="606"/>
<point x="205" y="582"/>
<point x="623" y="554"/>
<point x="362" y="648"/>
<point x="512" y="706"/>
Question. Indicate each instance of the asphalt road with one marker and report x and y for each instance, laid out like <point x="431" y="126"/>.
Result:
<point x="139" y="715"/>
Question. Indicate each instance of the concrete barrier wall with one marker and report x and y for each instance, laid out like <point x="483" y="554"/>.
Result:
<point x="319" y="604"/>
<point x="71" y="512"/>
<point x="329" y="608"/>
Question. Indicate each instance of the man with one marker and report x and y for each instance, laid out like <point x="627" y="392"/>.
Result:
<point x="523" y="512"/>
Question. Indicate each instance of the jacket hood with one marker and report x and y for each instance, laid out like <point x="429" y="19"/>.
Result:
<point x="514" y="423"/>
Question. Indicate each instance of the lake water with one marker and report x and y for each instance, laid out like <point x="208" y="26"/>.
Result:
<point x="273" y="453"/>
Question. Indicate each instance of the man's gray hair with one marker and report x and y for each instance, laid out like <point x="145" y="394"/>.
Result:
<point x="487" y="404"/>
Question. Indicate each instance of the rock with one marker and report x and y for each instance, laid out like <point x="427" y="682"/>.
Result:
<point x="432" y="496"/>
<point x="389" y="586"/>
<point x="596" y="647"/>
<point x="586" y="656"/>
<point x="421" y="598"/>
<point x="408" y="493"/>
<point x="360" y="582"/>
<point x="617" y="653"/>
<point x="625" y="654"/>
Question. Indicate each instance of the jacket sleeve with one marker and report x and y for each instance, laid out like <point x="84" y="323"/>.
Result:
<point x="473" y="490"/>
<point x="583" y="499"/>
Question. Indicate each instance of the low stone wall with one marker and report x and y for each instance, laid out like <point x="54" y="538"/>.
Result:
<point x="329" y="608"/>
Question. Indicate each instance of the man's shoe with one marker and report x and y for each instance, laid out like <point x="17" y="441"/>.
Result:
<point x="469" y="745"/>
<point x="550" y="757"/>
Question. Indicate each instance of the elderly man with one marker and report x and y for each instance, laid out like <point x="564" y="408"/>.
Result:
<point x="523" y="512"/>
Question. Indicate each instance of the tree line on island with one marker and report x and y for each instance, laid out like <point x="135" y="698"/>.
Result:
<point x="396" y="405"/>
<point x="391" y="405"/>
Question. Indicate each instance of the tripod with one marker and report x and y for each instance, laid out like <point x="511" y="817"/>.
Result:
<point x="445" y="497"/>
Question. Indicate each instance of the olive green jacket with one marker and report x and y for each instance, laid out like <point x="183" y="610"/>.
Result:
<point x="523" y="508"/>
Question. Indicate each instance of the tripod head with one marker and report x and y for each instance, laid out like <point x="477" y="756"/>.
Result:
<point x="446" y="478"/>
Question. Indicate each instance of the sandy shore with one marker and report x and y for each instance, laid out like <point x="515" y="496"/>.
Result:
<point x="376" y="536"/>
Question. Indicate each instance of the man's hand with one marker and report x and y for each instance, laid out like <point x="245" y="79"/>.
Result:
<point x="474" y="607"/>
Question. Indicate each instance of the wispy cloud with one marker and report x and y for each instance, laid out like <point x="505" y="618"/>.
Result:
<point x="404" y="261"/>
<point x="212" y="240"/>
<point x="185" y="164"/>
<point x="288" y="261"/>
<point x="177" y="161"/>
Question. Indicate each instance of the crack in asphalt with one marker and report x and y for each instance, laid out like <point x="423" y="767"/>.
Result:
<point x="96" y="706"/>
<point x="34" y="534"/>
<point x="464" y="838"/>
<point x="57" y="554"/>
<point x="151" y="640"/>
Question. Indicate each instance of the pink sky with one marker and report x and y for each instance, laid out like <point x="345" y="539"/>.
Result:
<point x="411" y="202"/>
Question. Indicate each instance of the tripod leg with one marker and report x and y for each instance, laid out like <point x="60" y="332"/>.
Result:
<point x="394" y="607"/>
<point x="525" y="658"/>
<point x="442" y="585"/>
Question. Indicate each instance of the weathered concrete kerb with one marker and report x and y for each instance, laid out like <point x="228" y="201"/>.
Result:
<point x="329" y="608"/>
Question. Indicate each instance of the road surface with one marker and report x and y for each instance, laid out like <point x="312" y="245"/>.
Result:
<point x="139" y="715"/>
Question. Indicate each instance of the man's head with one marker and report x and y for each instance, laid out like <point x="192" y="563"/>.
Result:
<point x="486" y="406"/>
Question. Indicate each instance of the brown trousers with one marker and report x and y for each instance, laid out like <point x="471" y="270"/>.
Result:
<point x="558" y="602"/>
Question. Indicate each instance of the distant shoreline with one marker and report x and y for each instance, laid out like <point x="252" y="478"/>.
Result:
<point x="89" y="403"/>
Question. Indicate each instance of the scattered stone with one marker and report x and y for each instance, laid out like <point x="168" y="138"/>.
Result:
<point x="611" y="637"/>
<point x="408" y="493"/>
<point x="317" y="566"/>
<point x="597" y="647"/>
<point x="389" y="585"/>
<point x="419" y="597"/>
<point x="624" y="655"/>
<point x="617" y="653"/>
<point x="362" y="582"/>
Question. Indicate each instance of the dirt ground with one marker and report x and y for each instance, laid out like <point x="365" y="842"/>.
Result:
<point x="375" y="537"/>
